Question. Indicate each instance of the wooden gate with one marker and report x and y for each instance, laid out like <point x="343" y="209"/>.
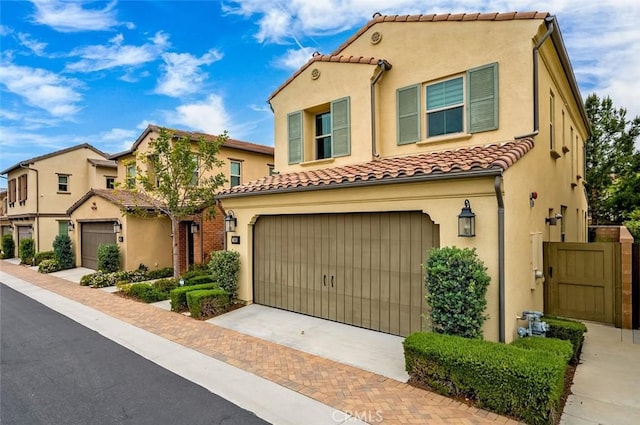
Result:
<point x="583" y="281"/>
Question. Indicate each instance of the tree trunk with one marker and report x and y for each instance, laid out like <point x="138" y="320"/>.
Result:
<point x="175" y="237"/>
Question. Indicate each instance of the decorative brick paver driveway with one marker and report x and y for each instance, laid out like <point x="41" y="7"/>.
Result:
<point x="340" y="386"/>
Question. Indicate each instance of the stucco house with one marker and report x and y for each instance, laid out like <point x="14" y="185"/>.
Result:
<point x="101" y="215"/>
<point x="41" y="189"/>
<point x="391" y="145"/>
<point x="5" y="224"/>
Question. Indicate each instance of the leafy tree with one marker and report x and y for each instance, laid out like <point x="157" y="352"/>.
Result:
<point x="612" y="162"/>
<point x="183" y="176"/>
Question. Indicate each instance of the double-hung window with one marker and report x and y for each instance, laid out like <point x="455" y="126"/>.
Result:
<point x="467" y="103"/>
<point x="235" y="176"/>
<point x="63" y="183"/>
<point x="445" y="105"/>
<point x="331" y="132"/>
<point x="131" y="176"/>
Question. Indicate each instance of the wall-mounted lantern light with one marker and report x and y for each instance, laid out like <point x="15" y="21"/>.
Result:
<point x="117" y="227"/>
<point x="230" y="222"/>
<point x="70" y="226"/>
<point x="195" y="227"/>
<point x="466" y="221"/>
<point x="552" y="221"/>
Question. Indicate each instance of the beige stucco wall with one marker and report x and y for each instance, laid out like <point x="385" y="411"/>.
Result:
<point x="145" y="240"/>
<point x="98" y="175"/>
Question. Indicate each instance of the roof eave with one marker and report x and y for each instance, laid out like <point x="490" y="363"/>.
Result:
<point x="485" y="172"/>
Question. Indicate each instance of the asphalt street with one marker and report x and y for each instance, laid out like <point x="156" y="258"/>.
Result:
<point x="55" y="371"/>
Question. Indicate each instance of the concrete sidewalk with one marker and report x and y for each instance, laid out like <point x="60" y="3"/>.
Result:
<point x="606" y="386"/>
<point x="279" y="384"/>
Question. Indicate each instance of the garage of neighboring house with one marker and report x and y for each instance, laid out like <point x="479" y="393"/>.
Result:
<point x="93" y="234"/>
<point x="363" y="269"/>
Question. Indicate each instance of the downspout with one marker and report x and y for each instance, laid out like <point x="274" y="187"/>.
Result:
<point x="383" y="66"/>
<point x="37" y="204"/>
<point x="501" y="297"/>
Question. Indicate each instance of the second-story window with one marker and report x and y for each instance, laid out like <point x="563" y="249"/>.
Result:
<point x="195" y="178"/>
<point x="234" y="175"/>
<point x="63" y="183"/>
<point x="110" y="182"/>
<point x="22" y="188"/>
<point x="323" y="135"/>
<point x="552" y="112"/>
<point x="12" y="191"/>
<point x="445" y="105"/>
<point x="131" y="176"/>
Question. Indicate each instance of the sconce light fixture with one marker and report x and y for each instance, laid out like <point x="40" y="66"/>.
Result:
<point x="117" y="227"/>
<point x="70" y="226"/>
<point x="195" y="227"/>
<point x="552" y="221"/>
<point x="466" y="221"/>
<point x="230" y="222"/>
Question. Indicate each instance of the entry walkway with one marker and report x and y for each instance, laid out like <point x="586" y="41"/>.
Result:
<point x="347" y="389"/>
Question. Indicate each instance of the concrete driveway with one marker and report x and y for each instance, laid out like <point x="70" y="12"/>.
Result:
<point x="369" y="350"/>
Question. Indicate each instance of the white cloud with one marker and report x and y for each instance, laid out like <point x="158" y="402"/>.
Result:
<point x="65" y="16"/>
<point x="116" y="139"/>
<point x="294" y="58"/>
<point x="208" y="116"/>
<point x="114" y="55"/>
<point x="43" y="89"/>
<point x="5" y="30"/>
<point x="182" y="74"/>
<point x="35" y="46"/>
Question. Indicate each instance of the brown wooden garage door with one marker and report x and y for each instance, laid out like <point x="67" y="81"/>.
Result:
<point x="362" y="269"/>
<point x="94" y="234"/>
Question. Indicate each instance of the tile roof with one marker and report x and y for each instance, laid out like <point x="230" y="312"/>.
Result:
<point x="123" y="198"/>
<point x="194" y="135"/>
<point x="335" y="56"/>
<point x="431" y="165"/>
<point x="326" y="58"/>
<point x="52" y="154"/>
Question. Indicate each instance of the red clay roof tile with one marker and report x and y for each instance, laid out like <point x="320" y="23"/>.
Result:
<point x="393" y="170"/>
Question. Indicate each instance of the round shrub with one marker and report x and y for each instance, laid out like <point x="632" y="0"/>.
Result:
<point x="8" y="246"/>
<point x="225" y="266"/>
<point x="456" y="283"/>
<point x="27" y="250"/>
<point x="49" y="266"/>
<point x="43" y="255"/>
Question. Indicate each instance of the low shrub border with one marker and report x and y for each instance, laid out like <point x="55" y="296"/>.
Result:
<point x="100" y="279"/>
<point x="562" y="348"/>
<point x="49" y="266"/>
<point x="178" y="296"/>
<point x="570" y="330"/>
<point x="204" y="303"/>
<point x="146" y="292"/>
<point x="199" y="280"/>
<point x="506" y="379"/>
<point x="43" y="255"/>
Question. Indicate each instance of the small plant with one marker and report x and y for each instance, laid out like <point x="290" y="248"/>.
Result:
<point x="49" y="266"/>
<point x="108" y="257"/>
<point x="63" y="251"/>
<point x="8" y="246"/>
<point x="166" y="285"/>
<point x="43" y="255"/>
<point x="27" y="251"/>
<point x="456" y="283"/>
<point x="225" y="266"/>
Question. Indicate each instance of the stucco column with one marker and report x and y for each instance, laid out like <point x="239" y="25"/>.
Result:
<point x="626" y="242"/>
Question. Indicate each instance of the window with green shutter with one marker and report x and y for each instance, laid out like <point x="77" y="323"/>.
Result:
<point x="483" y="98"/>
<point x="445" y="105"/>
<point x="340" y="128"/>
<point x="294" y="137"/>
<point x="408" y="114"/>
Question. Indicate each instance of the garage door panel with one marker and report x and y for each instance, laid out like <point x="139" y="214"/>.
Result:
<point x="93" y="234"/>
<point x="362" y="269"/>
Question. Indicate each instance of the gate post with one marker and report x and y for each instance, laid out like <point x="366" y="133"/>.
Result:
<point x="626" y="246"/>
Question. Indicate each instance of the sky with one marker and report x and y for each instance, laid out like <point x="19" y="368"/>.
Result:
<point x="99" y="72"/>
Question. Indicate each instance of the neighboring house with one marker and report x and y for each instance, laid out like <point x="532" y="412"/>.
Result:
<point x="147" y="240"/>
<point x="5" y="224"/>
<point x="40" y="189"/>
<point x="384" y="143"/>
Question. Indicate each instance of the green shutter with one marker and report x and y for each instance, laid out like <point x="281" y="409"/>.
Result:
<point x="408" y="119"/>
<point x="483" y="98"/>
<point x="294" y="135"/>
<point x="340" y="127"/>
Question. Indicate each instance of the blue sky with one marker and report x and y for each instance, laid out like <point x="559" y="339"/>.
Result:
<point x="98" y="72"/>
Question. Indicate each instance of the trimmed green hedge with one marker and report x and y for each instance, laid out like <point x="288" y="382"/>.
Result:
<point x="178" y="296"/>
<point x="570" y="330"/>
<point x="205" y="303"/>
<point x="564" y="349"/>
<point x="199" y="280"/>
<point x="159" y="273"/>
<point x="44" y="255"/>
<point x="523" y="383"/>
<point x="146" y="292"/>
<point x="186" y="276"/>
